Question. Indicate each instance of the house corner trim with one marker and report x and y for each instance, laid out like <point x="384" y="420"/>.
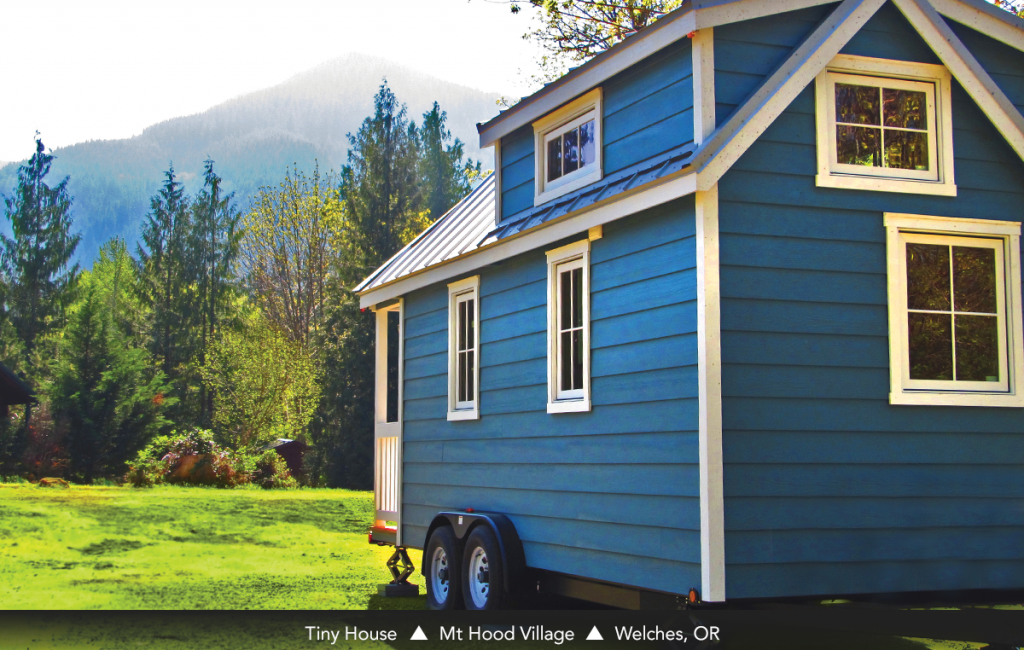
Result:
<point x="709" y="365"/>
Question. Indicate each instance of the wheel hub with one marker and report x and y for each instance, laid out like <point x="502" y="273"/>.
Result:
<point x="439" y="575"/>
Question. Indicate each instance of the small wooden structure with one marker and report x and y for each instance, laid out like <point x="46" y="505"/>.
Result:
<point x="13" y="390"/>
<point x="291" y="451"/>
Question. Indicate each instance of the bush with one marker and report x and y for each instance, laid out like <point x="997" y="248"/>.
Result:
<point x="194" y="458"/>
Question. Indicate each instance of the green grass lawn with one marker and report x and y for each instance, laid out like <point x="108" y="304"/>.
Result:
<point x="190" y="548"/>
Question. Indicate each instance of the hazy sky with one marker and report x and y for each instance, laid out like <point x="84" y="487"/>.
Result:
<point x="97" y="69"/>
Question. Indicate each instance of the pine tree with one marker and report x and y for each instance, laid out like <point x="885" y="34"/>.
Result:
<point x="383" y="198"/>
<point x="215" y="242"/>
<point x="446" y="177"/>
<point x="167" y="273"/>
<point x="104" y="395"/>
<point x="38" y="280"/>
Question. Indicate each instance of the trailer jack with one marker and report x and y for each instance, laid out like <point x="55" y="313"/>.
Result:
<point x="401" y="567"/>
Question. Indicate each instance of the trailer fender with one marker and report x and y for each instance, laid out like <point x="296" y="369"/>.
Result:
<point x="463" y="523"/>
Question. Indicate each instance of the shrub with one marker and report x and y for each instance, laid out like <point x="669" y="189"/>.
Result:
<point x="193" y="457"/>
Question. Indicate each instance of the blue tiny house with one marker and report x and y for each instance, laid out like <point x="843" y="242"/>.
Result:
<point x="740" y="312"/>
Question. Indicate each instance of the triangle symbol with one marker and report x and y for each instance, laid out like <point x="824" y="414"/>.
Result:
<point x="418" y="635"/>
<point x="595" y="635"/>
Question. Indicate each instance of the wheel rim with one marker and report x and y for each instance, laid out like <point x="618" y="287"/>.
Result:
<point x="479" y="578"/>
<point x="439" y="575"/>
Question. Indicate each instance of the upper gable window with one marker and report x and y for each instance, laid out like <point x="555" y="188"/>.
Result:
<point x="568" y="148"/>
<point x="885" y="125"/>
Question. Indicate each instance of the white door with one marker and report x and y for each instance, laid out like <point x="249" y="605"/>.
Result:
<point x="387" y="475"/>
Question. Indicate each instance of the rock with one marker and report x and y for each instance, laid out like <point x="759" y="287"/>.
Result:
<point x="196" y="469"/>
<point x="53" y="482"/>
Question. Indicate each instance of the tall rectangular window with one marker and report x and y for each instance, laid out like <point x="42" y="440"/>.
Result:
<point x="463" y="349"/>
<point x="954" y="285"/>
<point x="569" y="328"/>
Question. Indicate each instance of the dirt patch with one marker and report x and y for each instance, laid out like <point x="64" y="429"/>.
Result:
<point x="108" y="546"/>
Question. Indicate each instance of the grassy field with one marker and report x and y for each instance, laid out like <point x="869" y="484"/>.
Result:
<point x="189" y="548"/>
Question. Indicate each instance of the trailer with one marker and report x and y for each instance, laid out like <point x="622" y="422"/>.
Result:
<point x="738" y="316"/>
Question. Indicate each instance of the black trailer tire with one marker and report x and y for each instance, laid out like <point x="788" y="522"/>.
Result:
<point x="483" y="573"/>
<point x="444" y="569"/>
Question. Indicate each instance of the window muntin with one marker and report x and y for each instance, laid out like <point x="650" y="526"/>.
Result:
<point x="464" y="349"/>
<point x="567" y="146"/>
<point x="569" y="328"/>
<point x="883" y="127"/>
<point x="955" y="333"/>
<point x="956" y="314"/>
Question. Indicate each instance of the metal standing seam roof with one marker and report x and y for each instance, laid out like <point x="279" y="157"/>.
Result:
<point x="471" y="224"/>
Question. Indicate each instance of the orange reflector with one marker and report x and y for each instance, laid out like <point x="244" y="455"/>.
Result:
<point x="694" y="596"/>
<point x="469" y="510"/>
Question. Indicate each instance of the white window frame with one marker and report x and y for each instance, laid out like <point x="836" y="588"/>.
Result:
<point x="901" y="228"/>
<point x="934" y="80"/>
<point x="467" y="289"/>
<point x="575" y="255"/>
<point x="581" y="110"/>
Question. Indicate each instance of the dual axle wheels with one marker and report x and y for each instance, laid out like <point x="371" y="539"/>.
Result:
<point x="471" y="576"/>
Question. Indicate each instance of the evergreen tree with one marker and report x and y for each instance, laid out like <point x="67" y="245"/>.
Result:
<point x="38" y="281"/>
<point x="167" y="273"/>
<point x="116" y="282"/>
<point x="446" y="177"/>
<point x="215" y="243"/>
<point x="381" y="189"/>
<point x="104" y="394"/>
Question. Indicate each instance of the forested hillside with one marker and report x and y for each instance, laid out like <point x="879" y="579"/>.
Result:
<point x="253" y="139"/>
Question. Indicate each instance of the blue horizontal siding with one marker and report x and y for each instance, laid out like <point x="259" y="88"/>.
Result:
<point x="829" y="488"/>
<point x="517" y="172"/>
<point x="572" y="483"/>
<point x="648" y="109"/>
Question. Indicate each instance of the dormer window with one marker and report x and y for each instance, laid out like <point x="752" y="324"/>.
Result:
<point x="568" y="146"/>
<point x="885" y="125"/>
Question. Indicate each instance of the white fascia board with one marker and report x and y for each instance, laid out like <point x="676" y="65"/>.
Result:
<point x="623" y="205"/>
<point x="985" y="18"/>
<point x="962" y="64"/>
<point x="746" y="125"/>
<point x="663" y="33"/>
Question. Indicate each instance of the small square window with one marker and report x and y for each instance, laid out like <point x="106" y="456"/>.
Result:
<point x="569" y="328"/>
<point x="954" y="311"/>
<point x="568" y="148"/>
<point x="464" y="349"/>
<point x="885" y="126"/>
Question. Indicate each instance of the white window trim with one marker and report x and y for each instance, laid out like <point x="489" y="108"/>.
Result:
<point x="576" y="251"/>
<point x="905" y="391"/>
<point x="939" y="181"/>
<point x="456" y="291"/>
<point x="580" y="110"/>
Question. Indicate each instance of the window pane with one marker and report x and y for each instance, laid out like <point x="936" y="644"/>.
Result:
<point x="906" y="150"/>
<point x="577" y="359"/>
<point x="856" y="145"/>
<point x="391" y="414"/>
<point x="588" y="153"/>
<point x="555" y="159"/>
<point x="460" y="327"/>
<point x="931" y="346"/>
<point x="565" y="354"/>
<point x="857" y="105"/>
<point x="904" y="108"/>
<point x="470" y="324"/>
<point x="577" y="298"/>
<point x="927" y="277"/>
<point x="470" y="374"/>
<point x="572" y="151"/>
<point x="565" y="289"/>
<point x="462" y="376"/>
<point x="974" y="279"/>
<point x="977" y="348"/>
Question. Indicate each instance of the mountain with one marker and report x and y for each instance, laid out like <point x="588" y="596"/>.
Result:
<point x="252" y="138"/>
